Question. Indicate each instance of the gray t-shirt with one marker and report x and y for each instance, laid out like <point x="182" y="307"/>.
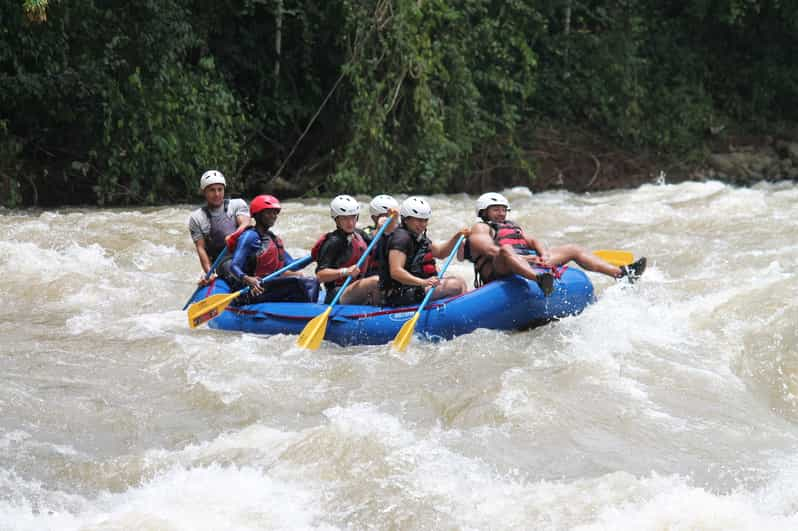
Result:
<point x="200" y="226"/>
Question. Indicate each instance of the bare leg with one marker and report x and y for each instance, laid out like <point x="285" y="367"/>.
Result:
<point x="508" y="262"/>
<point x="586" y="260"/>
<point x="449" y="287"/>
<point x="363" y="291"/>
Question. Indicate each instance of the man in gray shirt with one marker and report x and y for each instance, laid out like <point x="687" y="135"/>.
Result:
<point x="220" y="217"/>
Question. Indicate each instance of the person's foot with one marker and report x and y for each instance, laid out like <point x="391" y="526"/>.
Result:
<point x="546" y="283"/>
<point x="634" y="270"/>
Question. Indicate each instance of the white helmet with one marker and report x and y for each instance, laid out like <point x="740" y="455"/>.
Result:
<point x="344" y="205"/>
<point x="491" y="199"/>
<point x="211" y="177"/>
<point x="415" y="207"/>
<point x="381" y="204"/>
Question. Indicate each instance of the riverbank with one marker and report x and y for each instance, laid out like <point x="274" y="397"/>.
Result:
<point x="577" y="160"/>
<point x="560" y="156"/>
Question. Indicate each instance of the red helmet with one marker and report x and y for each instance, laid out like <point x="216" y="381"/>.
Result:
<point x="263" y="202"/>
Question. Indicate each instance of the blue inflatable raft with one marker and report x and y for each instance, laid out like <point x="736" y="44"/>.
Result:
<point x="512" y="303"/>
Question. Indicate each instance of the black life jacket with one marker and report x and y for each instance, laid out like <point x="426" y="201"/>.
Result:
<point x="420" y="263"/>
<point x="356" y="247"/>
<point x="221" y="226"/>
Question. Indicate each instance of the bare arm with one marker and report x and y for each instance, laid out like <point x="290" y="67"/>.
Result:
<point x="202" y="253"/>
<point x="242" y="220"/>
<point x="481" y="241"/>
<point x="330" y="274"/>
<point x="396" y="261"/>
<point x="394" y="221"/>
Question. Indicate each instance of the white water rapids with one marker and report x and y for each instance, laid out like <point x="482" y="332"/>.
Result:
<point x="671" y="404"/>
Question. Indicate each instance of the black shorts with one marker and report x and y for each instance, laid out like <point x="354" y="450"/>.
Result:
<point x="404" y="296"/>
<point x="283" y="289"/>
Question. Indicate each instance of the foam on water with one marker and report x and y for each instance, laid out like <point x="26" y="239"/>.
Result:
<point x="201" y="498"/>
<point x="670" y="404"/>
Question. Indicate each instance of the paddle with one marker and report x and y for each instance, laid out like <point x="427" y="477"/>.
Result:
<point x="314" y="331"/>
<point x="614" y="257"/>
<point x="404" y="336"/>
<point x="206" y="309"/>
<point x="207" y="276"/>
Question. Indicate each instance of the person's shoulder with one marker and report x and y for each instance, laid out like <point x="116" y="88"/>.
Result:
<point x="248" y="236"/>
<point x="197" y="216"/>
<point x="334" y="235"/>
<point x="479" y="226"/>
<point x="333" y="239"/>
<point x="237" y="206"/>
<point x="400" y="237"/>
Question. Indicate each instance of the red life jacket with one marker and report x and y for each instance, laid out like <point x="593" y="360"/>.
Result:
<point x="232" y="239"/>
<point x="508" y="233"/>
<point x="356" y="247"/>
<point x="269" y="258"/>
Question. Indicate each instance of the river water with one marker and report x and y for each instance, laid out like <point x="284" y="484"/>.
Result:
<point x="671" y="404"/>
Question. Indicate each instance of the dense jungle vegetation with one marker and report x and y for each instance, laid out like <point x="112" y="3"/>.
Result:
<point x="113" y="103"/>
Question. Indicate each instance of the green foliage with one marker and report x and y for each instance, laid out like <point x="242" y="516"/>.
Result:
<point x="128" y="103"/>
<point x="429" y="82"/>
<point x="653" y="75"/>
<point x="158" y="134"/>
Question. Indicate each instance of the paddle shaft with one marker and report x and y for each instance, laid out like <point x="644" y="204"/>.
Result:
<point x="207" y="276"/>
<point x="299" y="262"/>
<point x="440" y="274"/>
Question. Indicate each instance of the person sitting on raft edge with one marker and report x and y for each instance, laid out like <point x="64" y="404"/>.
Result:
<point x="499" y="247"/>
<point x="212" y="223"/>
<point x="257" y="252"/>
<point x="337" y="253"/>
<point x="407" y="265"/>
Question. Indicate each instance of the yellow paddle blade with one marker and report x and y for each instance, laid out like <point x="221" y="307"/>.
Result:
<point x="206" y="309"/>
<point x="616" y="258"/>
<point x="404" y="336"/>
<point x="313" y="332"/>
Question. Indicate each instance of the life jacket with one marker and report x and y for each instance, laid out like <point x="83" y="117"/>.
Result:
<point x="420" y="264"/>
<point x="221" y="226"/>
<point x="356" y="247"/>
<point x="231" y="240"/>
<point x="508" y="233"/>
<point x="504" y="233"/>
<point x="269" y="258"/>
